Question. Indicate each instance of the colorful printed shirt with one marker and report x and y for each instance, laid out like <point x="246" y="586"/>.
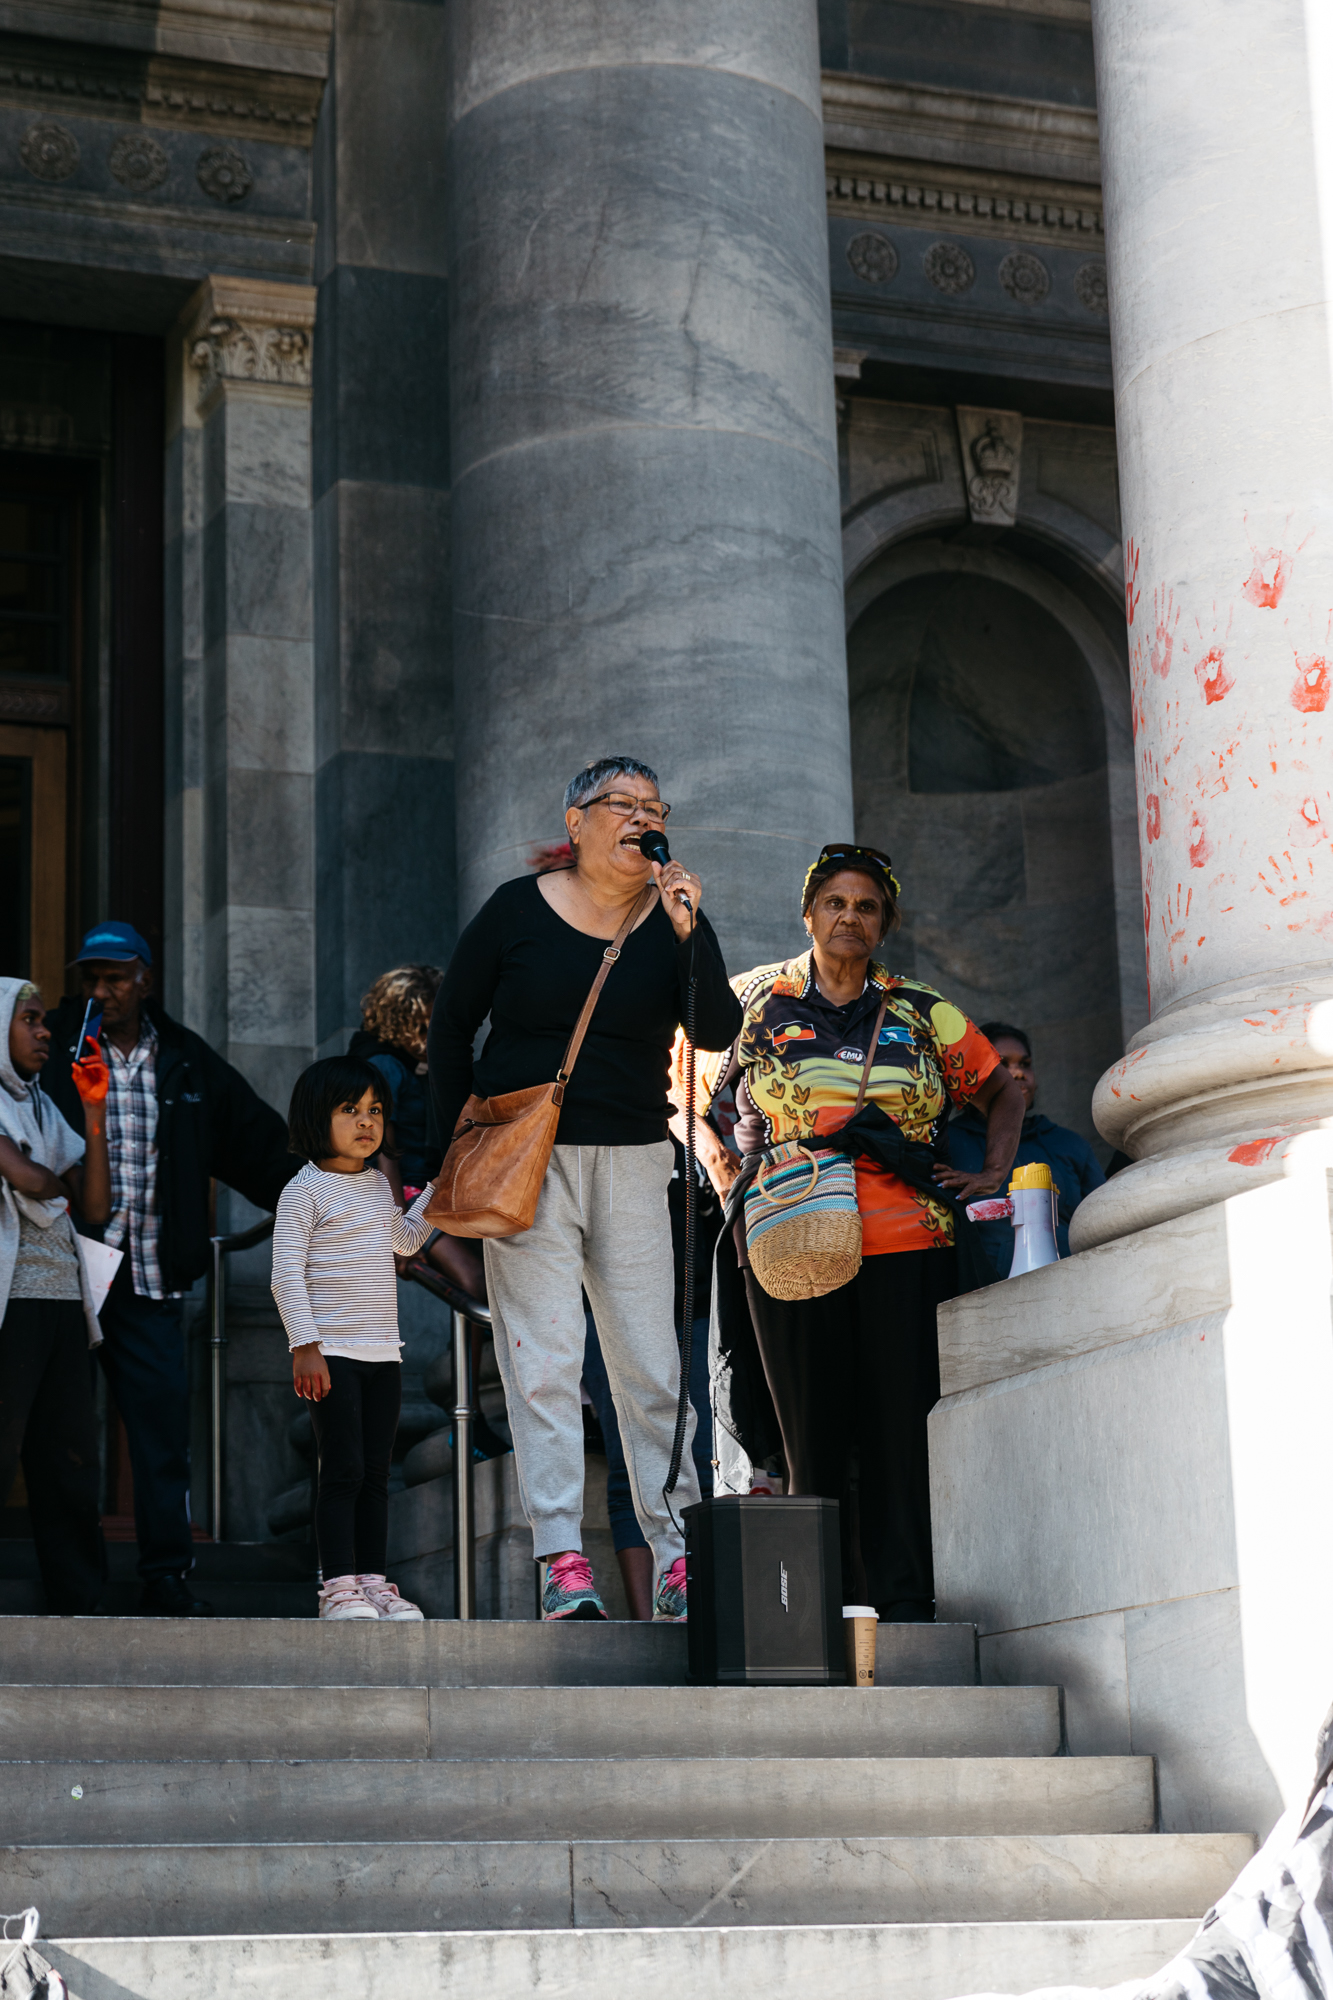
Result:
<point x="800" y="1060"/>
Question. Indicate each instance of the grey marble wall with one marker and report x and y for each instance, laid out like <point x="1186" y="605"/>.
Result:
<point x="644" y="477"/>
<point x="384" y="802"/>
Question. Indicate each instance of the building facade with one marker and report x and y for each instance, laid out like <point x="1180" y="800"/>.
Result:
<point x="391" y="421"/>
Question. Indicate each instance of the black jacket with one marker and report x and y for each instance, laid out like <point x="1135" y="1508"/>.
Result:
<point x="210" y="1124"/>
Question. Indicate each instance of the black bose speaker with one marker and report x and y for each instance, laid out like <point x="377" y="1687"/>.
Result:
<point x="765" y="1591"/>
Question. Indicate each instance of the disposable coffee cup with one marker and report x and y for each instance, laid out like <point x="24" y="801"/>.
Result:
<point x="859" y="1625"/>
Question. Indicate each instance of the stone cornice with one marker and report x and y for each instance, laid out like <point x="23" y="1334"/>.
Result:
<point x="250" y="331"/>
<point x="290" y="37"/>
<point x="1018" y="208"/>
<point x="960" y="128"/>
<point x="158" y="90"/>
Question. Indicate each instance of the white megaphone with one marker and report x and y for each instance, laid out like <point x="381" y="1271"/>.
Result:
<point x="1032" y="1192"/>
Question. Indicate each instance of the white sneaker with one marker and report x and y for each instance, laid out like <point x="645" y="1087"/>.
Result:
<point x="342" y="1597"/>
<point x="383" y="1596"/>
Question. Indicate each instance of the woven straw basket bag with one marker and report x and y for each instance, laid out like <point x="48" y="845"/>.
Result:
<point x="802" y="1229"/>
<point x="802" y="1225"/>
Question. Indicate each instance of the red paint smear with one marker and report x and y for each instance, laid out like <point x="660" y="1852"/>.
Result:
<point x="1154" y="817"/>
<point x="1267" y="580"/>
<point x="1212" y="675"/>
<point x="1253" y="1153"/>
<point x="1310" y="690"/>
<point x="1201" y="848"/>
<point x="1132" y="591"/>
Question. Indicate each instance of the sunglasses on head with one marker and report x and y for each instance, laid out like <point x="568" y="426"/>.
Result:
<point x="854" y="856"/>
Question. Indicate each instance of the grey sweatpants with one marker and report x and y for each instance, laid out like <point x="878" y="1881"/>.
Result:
<point x="601" y="1225"/>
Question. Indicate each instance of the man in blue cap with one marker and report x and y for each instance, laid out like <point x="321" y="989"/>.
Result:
<point x="177" y="1115"/>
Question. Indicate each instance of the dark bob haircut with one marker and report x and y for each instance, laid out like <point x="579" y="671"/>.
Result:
<point x="316" y="1095"/>
<point x="1001" y="1031"/>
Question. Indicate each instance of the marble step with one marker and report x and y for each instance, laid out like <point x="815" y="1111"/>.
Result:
<point x="82" y="1802"/>
<point x="783" y="1962"/>
<point x="506" y="1885"/>
<point x="168" y="1723"/>
<point x="244" y="1652"/>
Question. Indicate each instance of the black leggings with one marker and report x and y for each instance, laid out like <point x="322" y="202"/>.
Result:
<point x="48" y="1423"/>
<point x="859" y="1371"/>
<point x="355" y="1427"/>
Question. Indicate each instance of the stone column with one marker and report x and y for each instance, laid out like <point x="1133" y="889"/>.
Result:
<point x="645" y="492"/>
<point x="240" y="679"/>
<point x="1215" y="223"/>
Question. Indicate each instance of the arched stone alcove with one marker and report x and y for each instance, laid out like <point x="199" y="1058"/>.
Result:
<point x="992" y="758"/>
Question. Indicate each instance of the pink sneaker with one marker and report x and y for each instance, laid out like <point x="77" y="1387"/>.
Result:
<point x="384" y="1597"/>
<point x="342" y="1598"/>
<point x="570" y="1591"/>
<point x="669" y="1605"/>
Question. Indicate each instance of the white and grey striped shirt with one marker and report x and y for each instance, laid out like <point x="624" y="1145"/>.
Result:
<point x="333" y="1275"/>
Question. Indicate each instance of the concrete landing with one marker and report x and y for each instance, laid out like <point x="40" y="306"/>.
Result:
<point x="855" y="1962"/>
<point x="511" y="1885"/>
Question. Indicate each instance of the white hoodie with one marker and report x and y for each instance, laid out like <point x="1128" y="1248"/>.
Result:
<point x="37" y="1129"/>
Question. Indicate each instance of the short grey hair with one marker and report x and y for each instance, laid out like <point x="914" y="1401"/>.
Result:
<point x="594" y="778"/>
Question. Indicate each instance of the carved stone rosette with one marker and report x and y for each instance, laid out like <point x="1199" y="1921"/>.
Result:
<point x="251" y="332"/>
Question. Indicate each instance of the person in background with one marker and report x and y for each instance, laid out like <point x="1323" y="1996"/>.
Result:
<point x="48" y="1419"/>
<point x="1073" y="1164"/>
<point x="177" y="1116"/>
<point x="395" y="1017"/>
<point x="337" y="1229"/>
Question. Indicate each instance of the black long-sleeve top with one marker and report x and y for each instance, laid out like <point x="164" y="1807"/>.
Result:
<point x="531" y="971"/>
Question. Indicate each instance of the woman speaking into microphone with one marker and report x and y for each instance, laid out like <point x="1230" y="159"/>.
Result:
<point x="529" y="959"/>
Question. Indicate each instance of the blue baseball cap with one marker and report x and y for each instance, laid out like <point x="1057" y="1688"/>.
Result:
<point x="113" y="944"/>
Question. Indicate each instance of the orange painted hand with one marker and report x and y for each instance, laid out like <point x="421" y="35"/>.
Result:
<point x="92" y="1078"/>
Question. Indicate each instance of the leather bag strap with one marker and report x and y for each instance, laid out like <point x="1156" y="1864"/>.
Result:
<point x="870" y="1054"/>
<point x="609" y="957"/>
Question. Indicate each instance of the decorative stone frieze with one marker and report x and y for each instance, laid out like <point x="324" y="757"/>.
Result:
<point x="251" y="333"/>
<point x="872" y="257"/>
<point x="862" y="187"/>
<point x="954" y="128"/>
<point x="992" y="442"/>
<point x="223" y="175"/>
<point x="1090" y="285"/>
<point x="949" y="267"/>
<point x="1025" y="278"/>
<point x="49" y="151"/>
<point x="162" y="91"/>
<point x="138" y="162"/>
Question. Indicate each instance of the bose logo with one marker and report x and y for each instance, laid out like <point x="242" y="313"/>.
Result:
<point x="782" y="1585"/>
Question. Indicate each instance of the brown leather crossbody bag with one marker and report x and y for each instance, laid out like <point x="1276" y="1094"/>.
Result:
<point x="495" y="1166"/>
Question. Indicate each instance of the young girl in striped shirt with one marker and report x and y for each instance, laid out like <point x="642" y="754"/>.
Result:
<point x="334" y="1239"/>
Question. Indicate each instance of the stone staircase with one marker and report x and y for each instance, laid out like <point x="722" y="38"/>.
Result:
<point x="270" y="1805"/>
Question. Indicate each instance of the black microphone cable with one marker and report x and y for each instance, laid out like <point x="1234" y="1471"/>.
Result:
<point x="653" y="844"/>
<point x="691" y="1240"/>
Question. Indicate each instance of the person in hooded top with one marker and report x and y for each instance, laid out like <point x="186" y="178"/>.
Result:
<point x="1074" y="1166"/>
<point x="48" y="1419"/>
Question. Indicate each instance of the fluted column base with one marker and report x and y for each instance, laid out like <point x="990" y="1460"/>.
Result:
<point x="1216" y="1096"/>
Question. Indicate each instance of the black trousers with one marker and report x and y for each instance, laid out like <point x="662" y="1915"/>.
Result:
<point x="143" y="1358"/>
<point x="355" y="1427"/>
<point x="855" y="1374"/>
<point x="48" y="1422"/>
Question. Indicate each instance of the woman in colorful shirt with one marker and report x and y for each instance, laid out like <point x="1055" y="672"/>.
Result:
<point x="853" y="1375"/>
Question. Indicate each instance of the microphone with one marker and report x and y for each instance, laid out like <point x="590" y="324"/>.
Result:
<point x="653" y="846"/>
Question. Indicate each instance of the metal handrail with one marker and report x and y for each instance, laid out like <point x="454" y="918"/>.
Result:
<point x="465" y="1311"/>
<point x="222" y="1246"/>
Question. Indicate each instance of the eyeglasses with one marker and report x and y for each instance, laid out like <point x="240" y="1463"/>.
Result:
<point x="624" y="807"/>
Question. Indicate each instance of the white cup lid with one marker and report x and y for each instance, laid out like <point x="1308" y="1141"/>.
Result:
<point x="859" y="1611"/>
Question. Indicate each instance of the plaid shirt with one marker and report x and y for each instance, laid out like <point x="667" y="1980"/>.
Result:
<point x="131" y="1131"/>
